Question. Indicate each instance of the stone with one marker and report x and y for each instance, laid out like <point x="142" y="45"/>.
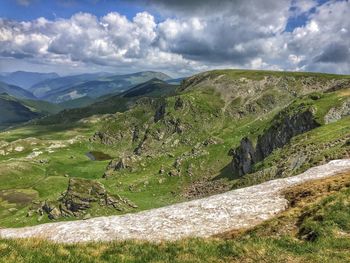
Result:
<point x="87" y="216"/>
<point x="54" y="214"/>
<point x="161" y="170"/>
<point x="209" y="141"/>
<point x="174" y="172"/>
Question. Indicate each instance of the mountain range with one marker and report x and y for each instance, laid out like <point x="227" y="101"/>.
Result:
<point x="155" y="144"/>
<point x="26" y="79"/>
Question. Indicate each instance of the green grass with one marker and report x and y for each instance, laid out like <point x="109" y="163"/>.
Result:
<point x="324" y="213"/>
<point x="205" y="115"/>
<point x="260" y="74"/>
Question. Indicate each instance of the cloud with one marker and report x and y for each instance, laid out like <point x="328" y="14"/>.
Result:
<point x="335" y="52"/>
<point x="200" y="36"/>
<point x="24" y="2"/>
<point x="324" y="41"/>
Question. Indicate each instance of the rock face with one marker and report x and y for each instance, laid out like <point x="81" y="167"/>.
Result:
<point x="335" y="114"/>
<point x="276" y="136"/>
<point x="119" y="164"/>
<point x="244" y="157"/>
<point x="160" y="113"/>
<point x="104" y="138"/>
<point x="79" y="197"/>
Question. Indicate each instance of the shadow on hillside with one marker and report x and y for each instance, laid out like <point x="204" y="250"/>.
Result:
<point x="226" y="173"/>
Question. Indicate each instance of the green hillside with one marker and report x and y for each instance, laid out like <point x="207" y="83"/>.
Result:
<point x="15" y="111"/>
<point x="42" y="88"/>
<point x="77" y="103"/>
<point x="15" y="91"/>
<point x="26" y="79"/>
<point x="91" y="85"/>
<point x="111" y="103"/>
<point x="158" y="144"/>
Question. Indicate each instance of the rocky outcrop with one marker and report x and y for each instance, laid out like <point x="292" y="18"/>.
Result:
<point x="105" y="138"/>
<point x="179" y="104"/>
<point x="202" y="218"/>
<point x="120" y="164"/>
<point x="336" y="113"/>
<point x="244" y="157"/>
<point x="160" y="113"/>
<point x="79" y="197"/>
<point x="283" y="129"/>
<point x="342" y="84"/>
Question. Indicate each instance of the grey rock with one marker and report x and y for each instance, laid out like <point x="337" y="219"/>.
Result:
<point x="335" y="114"/>
<point x="278" y="135"/>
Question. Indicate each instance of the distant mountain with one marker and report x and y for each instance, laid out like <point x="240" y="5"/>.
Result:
<point x="154" y="88"/>
<point x="101" y="86"/>
<point x="42" y="88"/>
<point x="175" y="81"/>
<point x="15" y="111"/>
<point x="15" y="91"/>
<point x="26" y="79"/>
<point x="77" y="103"/>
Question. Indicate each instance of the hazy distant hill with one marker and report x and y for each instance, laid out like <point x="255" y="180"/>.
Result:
<point x="77" y="103"/>
<point x="15" y="111"/>
<point x="26" y="79"/>
<point x="153" y="88"/>
<point x="15" y="91"/>
<point x="101" y="86"/>
<point x="42" y="88"/>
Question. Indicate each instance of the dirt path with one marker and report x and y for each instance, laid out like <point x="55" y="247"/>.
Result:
<point x="205" y="217"/>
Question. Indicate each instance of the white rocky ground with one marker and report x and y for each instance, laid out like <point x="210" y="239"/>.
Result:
<point x="205" y="217"/>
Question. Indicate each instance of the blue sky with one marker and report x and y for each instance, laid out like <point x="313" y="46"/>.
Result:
<point x="179" y="37"/>
<point x="31" y="9"/>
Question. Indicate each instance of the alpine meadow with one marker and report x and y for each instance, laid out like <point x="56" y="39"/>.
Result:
<point x="174" y="131"/>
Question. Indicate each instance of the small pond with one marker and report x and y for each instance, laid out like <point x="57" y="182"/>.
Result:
<point x="98" y="156"/>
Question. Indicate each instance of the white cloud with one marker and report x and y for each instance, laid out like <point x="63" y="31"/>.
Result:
<point x="246" y="34"/>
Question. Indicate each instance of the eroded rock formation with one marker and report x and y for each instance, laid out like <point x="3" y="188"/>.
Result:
<point x="276" y="136"/>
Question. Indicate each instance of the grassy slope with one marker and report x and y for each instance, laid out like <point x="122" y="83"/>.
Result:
<point x="203" y="111"/>
<point x="314" y="229"/>
<point x="15" y="111"/>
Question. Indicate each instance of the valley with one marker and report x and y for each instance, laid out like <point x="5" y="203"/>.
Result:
<point x="167" y="144"/>
<point x="158" y="131"/>
<point x="156" y="144"/>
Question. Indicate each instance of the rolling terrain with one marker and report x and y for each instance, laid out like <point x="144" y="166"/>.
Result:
<point x="25" y="79"/>
<point x="90" y="85"/>
<point x="16" y="111"/>
<point x="15" y="91"/>
<point x="158" y="144"/>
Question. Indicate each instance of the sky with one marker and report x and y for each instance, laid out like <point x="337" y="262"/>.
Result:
<point x="177" y="37"/>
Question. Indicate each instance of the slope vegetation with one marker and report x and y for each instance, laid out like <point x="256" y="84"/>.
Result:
<point x="15" y="91"/>
<point x="15" y="111"/>
<point x="158" y="144"/>
<point x="26" y="79"/>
